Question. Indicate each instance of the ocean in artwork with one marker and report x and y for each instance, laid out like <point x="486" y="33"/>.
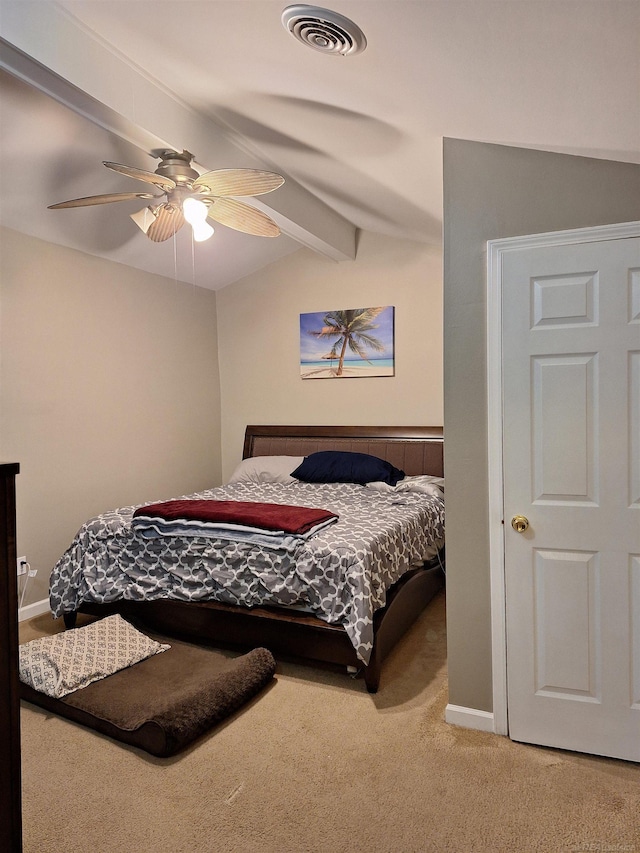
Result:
<point x="352" y="367"/>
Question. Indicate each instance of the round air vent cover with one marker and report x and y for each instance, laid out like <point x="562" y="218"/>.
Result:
<point x="324" y="30"/>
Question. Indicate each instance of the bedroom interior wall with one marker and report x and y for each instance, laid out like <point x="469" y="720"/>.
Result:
<point x="259" y="339"/>
<point x="490" y="192"/>
<point x="109" y="391"/>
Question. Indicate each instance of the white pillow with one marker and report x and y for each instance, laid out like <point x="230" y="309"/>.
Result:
<point x="424" y="483"/>
<point x="266" y="469"/>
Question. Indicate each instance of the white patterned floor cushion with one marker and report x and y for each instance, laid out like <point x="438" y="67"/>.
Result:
<point x="59" y="664"/>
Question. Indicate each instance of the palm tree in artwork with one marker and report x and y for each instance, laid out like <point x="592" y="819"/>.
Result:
<point x="350" y="329"/>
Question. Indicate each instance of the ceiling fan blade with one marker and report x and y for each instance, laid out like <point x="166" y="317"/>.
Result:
<point x="165" y="184"/>
<point x="107" y="198"/>
<point x="242" y="217"/>
<point x="168" y="221"/>
<point x="224" y="182"/>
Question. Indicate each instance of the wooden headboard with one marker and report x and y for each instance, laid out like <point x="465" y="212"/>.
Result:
<point x="415" y="450"/>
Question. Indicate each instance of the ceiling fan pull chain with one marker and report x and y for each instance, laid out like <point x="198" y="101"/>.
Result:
<point x="193" y="259"/>
<point x="175" y="259"/>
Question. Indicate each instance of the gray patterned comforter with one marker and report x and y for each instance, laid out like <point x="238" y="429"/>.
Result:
<point x="341" y="574"/>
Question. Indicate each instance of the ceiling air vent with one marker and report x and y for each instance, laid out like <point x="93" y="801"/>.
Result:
<point x="324" y="30"/>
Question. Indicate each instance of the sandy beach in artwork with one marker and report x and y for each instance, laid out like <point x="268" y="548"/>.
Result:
<point x="311" y="372"/>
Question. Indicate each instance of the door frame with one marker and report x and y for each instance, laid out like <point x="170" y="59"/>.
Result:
<point x="496" y="250"/>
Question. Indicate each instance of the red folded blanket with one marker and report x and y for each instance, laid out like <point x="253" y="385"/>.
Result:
<point x="289" y="519"/>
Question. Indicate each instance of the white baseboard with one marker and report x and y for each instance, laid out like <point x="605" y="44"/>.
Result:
<point x="32" y="610"/>
<point x="469" y="718"/>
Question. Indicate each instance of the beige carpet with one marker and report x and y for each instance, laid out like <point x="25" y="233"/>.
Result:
<point x="317" y="765"/>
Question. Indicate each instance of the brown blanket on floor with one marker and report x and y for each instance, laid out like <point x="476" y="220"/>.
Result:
<point x="167" y="701"/>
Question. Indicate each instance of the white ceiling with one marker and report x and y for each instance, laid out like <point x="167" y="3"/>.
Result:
<point x="358" y="138"/>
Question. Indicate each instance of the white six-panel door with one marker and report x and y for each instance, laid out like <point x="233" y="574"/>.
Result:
<point x="571" y="467"/>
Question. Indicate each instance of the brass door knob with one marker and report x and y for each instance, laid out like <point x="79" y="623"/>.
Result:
<point x="520" y="523"/>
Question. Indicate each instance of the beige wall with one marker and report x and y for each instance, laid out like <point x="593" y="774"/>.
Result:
<point x="109" y="390"/>
<point x="494" y="191"/>
<point x="259" y="338"/>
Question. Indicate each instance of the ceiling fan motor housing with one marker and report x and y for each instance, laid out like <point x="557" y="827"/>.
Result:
<point x="177" y="167"/>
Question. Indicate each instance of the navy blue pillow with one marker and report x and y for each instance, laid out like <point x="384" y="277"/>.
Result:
<point x="339" y="466"/>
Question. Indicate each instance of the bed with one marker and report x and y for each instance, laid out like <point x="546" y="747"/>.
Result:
<point x="342" y="596"/>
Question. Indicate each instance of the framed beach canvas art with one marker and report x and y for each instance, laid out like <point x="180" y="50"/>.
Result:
<point x="348" y="343"/>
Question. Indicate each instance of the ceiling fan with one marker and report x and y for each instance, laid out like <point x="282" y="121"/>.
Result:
<point x="186" y="195"/>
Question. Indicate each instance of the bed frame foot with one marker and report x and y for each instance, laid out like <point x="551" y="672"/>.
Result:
<point x="70" y="619"/>
<point x="372" y="677"/>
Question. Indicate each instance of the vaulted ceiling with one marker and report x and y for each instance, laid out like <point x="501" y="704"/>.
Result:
<point x="357" y="137"/>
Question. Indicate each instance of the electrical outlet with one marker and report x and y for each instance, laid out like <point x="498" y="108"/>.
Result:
<point x="22" y="565"/>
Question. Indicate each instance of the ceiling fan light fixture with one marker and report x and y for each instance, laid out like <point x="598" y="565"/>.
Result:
<point x="195" y="212"/>
<point x="324" y="30"/>
<point x="201" y="231"/>
<point x="145" y="218"/>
